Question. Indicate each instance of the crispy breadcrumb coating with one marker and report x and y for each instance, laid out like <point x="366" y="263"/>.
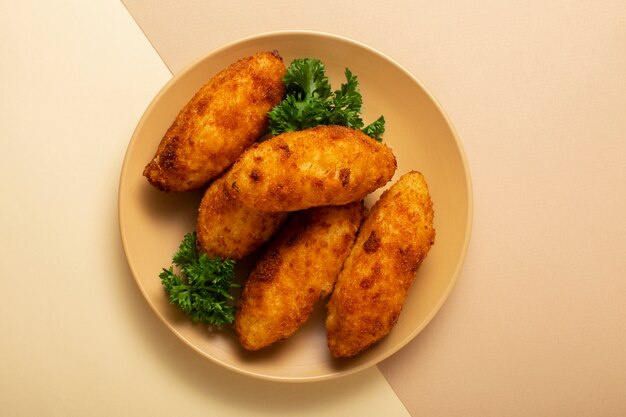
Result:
<point x="371" y="289"/>
<point x="298" y="269"/>
<point x="222" y="119"/>
<point x="324" y="165"/>
<point x="227" y="229"/>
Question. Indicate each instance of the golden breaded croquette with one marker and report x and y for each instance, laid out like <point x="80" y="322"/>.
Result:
<point x="222" y="119"/>
<point x="324" y="165"/>
<point x="298" y="269"/>
<point x="371" y="289"/>
<point x="227" y="229"/>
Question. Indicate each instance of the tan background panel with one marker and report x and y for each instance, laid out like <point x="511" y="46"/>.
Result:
<point x="535" y="325"/>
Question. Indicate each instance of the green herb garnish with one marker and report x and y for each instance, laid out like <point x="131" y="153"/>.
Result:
<point x="310" y="102"/>
<point x="201" y="289"/>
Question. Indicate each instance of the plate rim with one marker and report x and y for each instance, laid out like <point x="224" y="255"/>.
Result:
<point x="468" y="217"/>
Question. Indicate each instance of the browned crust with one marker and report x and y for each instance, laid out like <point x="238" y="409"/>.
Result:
<point x="324" y="165"/>
<point x="373" y="285"/>
<point x="299" y="267"/>
<point x="227" y="229"/>
<point x="222" y="119"/>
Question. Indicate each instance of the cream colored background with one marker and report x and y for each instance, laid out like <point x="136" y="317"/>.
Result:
<point x="76" y="336"/>
<point x="536" y="325"/>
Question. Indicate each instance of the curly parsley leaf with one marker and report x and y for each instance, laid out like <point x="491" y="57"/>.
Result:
<point x="201" y="288"/>
<point x="292" y="114"/>
<point x="347" y="103"/>
<point x="376" y="129"/>
<point x="310" y="102"/>
<point x="306" y="78"/>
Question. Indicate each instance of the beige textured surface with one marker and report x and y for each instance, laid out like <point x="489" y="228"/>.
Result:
<point x="77" y="338"/>
<point x="537" y="93"/>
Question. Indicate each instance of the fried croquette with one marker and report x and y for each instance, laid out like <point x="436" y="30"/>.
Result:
<point x="222" y="119"/>
<point x="372" y="287"/>
<point x="324" y="165"/>
<point x="227" y="229"/>
<point x="298" y="269"/>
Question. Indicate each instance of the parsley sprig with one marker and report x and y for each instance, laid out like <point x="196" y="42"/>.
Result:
<point x="201" y="289"/>
<point x="310" y="102"/>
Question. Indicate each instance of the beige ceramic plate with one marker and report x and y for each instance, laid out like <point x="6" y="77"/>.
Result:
<point x="152" y="223"/>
